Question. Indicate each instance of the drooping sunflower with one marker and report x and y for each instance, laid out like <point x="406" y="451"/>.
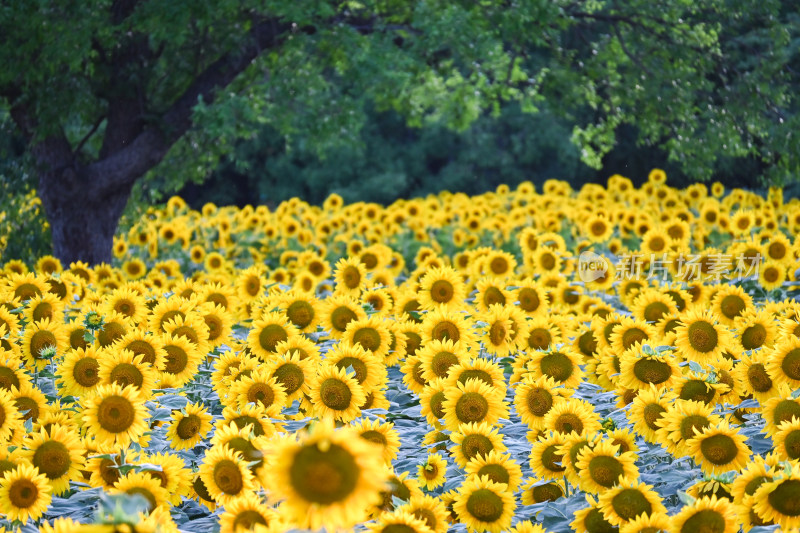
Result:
<point x="336" y="394"/>
<point x="441" y="288"/>
<point x="143" y="484"/>
<point x="115" y="416"/>
<point x="706" y="514"/>
<point x="337" y="312"/>
<point x="24" y="493"/>
<point x="718" y="449"/>
<point x="474" y="439"/>
<point x="189" y="426"/>
<point x="628" y="500"/>
<point x="483" y="505"/>
<point x="327" y="477"/>
<point x="249" y="513"/>
<point x="42" y="341"/>
<point x="700" y="337"/>
<point x="602" y="466"/>
<point x="57" y="453"/>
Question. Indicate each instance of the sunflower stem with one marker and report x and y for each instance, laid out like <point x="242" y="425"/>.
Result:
<point x="566" y="486"/>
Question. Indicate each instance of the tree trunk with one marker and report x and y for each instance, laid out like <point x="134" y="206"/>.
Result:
<point x="82" y="225"/>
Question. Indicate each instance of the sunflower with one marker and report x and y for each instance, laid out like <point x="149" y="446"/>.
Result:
<point x="219" y="322"/>
<point x="779" y="248"/>
<point x="327" y="477"/>
<point x="680" y="423"/>
<point x="700" y="337"/>
<point x="629" y="332"/>
<point x="350" y="276"/>
<point x="572" y="415"/>
<point x="491" y="291"/>
<point x="126" y="369"/>
<point x="431" y="474"/>
<point x="370" y="333"/>
<point x="188" y="426"/>
<point x="431" y="399"/>
<point x="653" y="523"/>
<point x="537" y="491"/>
<point x="302" y="310"/>
<point x="126" y="302"/>
<point x="24" y="493"/>
<point x="249" y="513"/>
<point x="529" y="297"/>
<point x="561" y="364"/>
<point x="79" y="373"/>
<point x="181" y="361"/>
<point x="115" y="416"/>
<point x="779" y="408"/>
<point x="29" y="400"/>
<point x="438" y="357"/>
<point x="143" y="484"/>
<point x="706" y="514"/>
<point x="628" y="500"/>
<point x="534" y="398"/>
<point x="336" y="394"/>
<point x="250" y="283"/>
<point x="225" y="475"/>
<point x="483" y="505"/>
<point x="292" y="373"/>
<point x="258" y="388"/>
<point x="149" y="347"/>
<point x="501" y="330"/>
<point x="337" y="312"/>
<point x="192" y="327"/>
<point x="499" y="468"/>
<point x="399" y="486"/>
<point x="772" y="275"/>
<point x="250" y="415"/>
<point x="26" y="286"/>
<point x="171" y="472"/>
<point x="441" y="288"/>
<point x="729" y="302"/>
<point x="57" y="453"/>
<point x="42" y="341"/>
<point x="442" y="325"/>
<point x="166" y="310"/>
<point x="43" y="306"/>
<point x="472" y="402"/>
<point x="783" y="362"/>
<point x="267" y="332"/>
<point x="602" y="466"/>
<point x="399" y="520"/>
<point x="546" y="460"/>
<point x="718" y="449"/>
<point x="10" y="419"/>
<point x="751" y="371"/>
<point x="591" y="519"/>
<point x="475" y="439"/>
<point x="641" y="367"/>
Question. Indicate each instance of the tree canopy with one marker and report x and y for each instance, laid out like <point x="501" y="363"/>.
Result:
<point x="109" y="94"/>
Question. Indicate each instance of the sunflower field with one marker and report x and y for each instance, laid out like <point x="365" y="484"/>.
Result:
<point x="596" y="360"/>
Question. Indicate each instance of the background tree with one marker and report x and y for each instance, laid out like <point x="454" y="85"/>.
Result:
<point x="106" y="94"/>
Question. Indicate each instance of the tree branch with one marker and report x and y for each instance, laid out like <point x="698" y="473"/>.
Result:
<point x="150" y="146"/>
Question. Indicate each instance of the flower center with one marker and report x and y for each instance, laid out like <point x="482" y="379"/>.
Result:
<point x="85" y="372"/>
<point x="549" y="492"/>
<point x="368" y="338"/>
<point x="290" y="376"/>
<point x="261" y="393"/>
<point x="551" y="459"/>
<point x="706" y="520"/>
<point x="125" y="374"/>
<point x="528" y="300"/>
<point x="652" y="371"/>
<point x="188" y="427"/>
<point x="52" y="459"/>
<point x="300" y="313"/>
<point x="485" y="505"/>
<point x="652" y="413"/>
<point x="40" y="340"/>
<point x="341" y="316"/>
<point x="702" y="336"/>
<point x="472" y="407"/>
<point x="719" y="449"/>
<point x="228" y="477"/>
<point x="116" y="414"/>
<point x="758" y="378"/>
<point x="441" y="363"/>
<point x="496" y="473"/>
<point x="474" y="445"/>
<point x="557" y="366"/>
<point x="335" y="394"/>
<point x="605" y="470"/>
<point x="630" y="503"/>
<point x="568" y="423"/>
<point x="324" y="477"/>
<point x="176" y="360"/>
<point x="632" y="336"/>
<point x="732" y="306"/>
<point x="271" y="335"/>
<point x="446" y="330"/>
<point x="791" y="364"/>
<point x="442" y="291"/>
